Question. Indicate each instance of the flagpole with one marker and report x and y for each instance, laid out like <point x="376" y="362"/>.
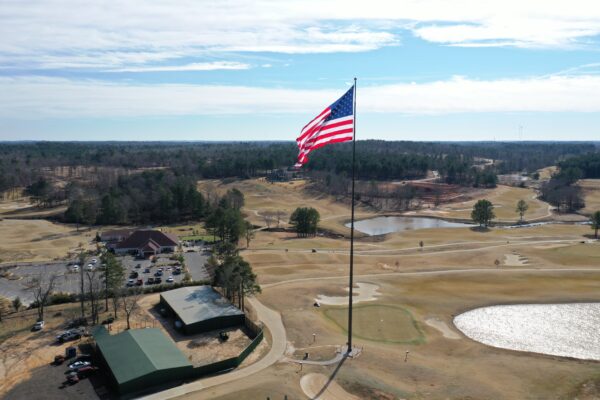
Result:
<point x="351" y="284"/>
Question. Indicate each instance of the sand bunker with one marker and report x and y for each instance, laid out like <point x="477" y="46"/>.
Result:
<point x="318" y="387"/>
<point x="515" y="260"/>
<point x="441" y="326"/>
<point x="364" y="292"/>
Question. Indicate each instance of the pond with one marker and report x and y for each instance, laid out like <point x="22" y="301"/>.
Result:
<point x="566" y="330"/>
<point x="383" y="225"/>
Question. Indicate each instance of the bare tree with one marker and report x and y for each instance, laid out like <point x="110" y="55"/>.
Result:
<point x="248" y="233"/>
<point x="42" y="286"/>
<point x="129" y="300"/>
<point x="82" y="257"/>
<point x="94" y="292"/>
<point x="279" y="215"/>
<point x="269" y="217"/>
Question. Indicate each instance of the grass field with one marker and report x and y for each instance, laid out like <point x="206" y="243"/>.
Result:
<point x="40" y="240"/>
<point x="262" y="197"/>
<point x="504" y="199"/>
<point x="453" y="272"/>
<point x="591" y="195"/>
<point x="378" y="323"/>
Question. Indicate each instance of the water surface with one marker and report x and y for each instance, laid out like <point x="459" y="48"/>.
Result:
<point x="383" y="225"/>
<point x="567" y="330"/>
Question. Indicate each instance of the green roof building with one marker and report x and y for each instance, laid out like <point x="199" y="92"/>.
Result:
<point x="139" y="359"/>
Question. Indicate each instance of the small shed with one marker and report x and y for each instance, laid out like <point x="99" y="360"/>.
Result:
<point x="201" y="309"/>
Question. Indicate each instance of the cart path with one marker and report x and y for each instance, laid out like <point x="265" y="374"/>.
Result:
<point x="272" y="320"/>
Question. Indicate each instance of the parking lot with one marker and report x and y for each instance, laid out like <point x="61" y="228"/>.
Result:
<point x="69" y="281"/>
<point x="50" y="382"/>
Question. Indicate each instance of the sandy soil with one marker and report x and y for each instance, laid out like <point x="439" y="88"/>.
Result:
<point x="515" y="260"/>
<point x="441" y="326"/>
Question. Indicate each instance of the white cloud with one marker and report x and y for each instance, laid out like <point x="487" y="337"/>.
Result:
<point x="91" y="34"/>
<point x="29" y="97"/>
<point x="207" y="66"/>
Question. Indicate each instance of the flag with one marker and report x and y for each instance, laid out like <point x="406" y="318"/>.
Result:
<point x="335" y="124"/>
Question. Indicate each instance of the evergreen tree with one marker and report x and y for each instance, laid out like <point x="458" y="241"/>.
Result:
<point x="305" y="221"/>
<point x="483" y="213"/>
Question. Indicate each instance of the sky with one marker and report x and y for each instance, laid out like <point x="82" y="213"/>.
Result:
<point x="260" y="70"/>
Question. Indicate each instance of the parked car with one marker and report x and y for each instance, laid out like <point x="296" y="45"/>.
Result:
<point x="177" y="271"/>
<point x="150" y="280"/>
<point x="77" y="322"/>
<point x="147" y="270"/>
<point x="170" y="279"/>
<point x="158" y="280"/>
<point x="59" y="359"/>
<point x="139" y="282"/>
<point x="160" y="269"/>
<point x="158" y="273"/>
<point x="38" y="326"/>
<point x="130" y="283"/>
<point x="139" y="266"/>
<point x="94" y="261"/>
<point x="90" y="267"/>
<point x="72" y="378"/>
<point x="79" y="364"/>
<point x="69" y="335"/>
<point x="84" y="372"/>
<point x="134" y="274"/>
<point x="75" y="268"/>
<point x="108" y="320"/>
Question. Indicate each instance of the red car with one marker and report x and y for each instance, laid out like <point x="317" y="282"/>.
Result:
<point x="86" y="371"/>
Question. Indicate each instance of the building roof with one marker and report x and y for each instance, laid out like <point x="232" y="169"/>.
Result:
<point x="199" y="303"/>
<point x="116" y="233"/>
<point x="138" y="352"/>
<point x="139" y="239"/>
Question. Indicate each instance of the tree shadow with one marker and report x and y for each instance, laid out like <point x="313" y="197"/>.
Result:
<point x="482" y="229"/>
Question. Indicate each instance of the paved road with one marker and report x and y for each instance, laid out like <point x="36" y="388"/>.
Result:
<point x="272" y="320"/>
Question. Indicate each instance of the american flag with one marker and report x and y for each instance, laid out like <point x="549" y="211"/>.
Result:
<point x="335" y="124"/>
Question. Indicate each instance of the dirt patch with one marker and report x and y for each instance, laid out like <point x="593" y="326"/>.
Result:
<point x="318" y="387"/>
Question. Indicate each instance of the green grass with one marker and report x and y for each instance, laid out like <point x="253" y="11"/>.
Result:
<point x="379" y="323"/>
<point x="205" y="238"/>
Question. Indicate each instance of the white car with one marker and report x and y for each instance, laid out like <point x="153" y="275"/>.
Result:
<point x="90" y="267"/>
<point x="94" y="261"/>
<point x="79" y="364"/>
<point x="38" y="326"/>
<point x="75" y="268"/>
<point x="170" y="279"/>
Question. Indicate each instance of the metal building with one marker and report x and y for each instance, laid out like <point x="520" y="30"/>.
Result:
<point x="201" y="309"/>
<point x="139" y="359"/>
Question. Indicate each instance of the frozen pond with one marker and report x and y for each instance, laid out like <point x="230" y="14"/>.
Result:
<point x="383" y="225"/>
<point x="567" y="330"/>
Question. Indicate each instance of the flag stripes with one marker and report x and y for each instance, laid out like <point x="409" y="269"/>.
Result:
<point x="335" y="124"/>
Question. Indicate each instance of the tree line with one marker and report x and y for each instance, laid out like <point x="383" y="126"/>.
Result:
<point x="22" y="164"/>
